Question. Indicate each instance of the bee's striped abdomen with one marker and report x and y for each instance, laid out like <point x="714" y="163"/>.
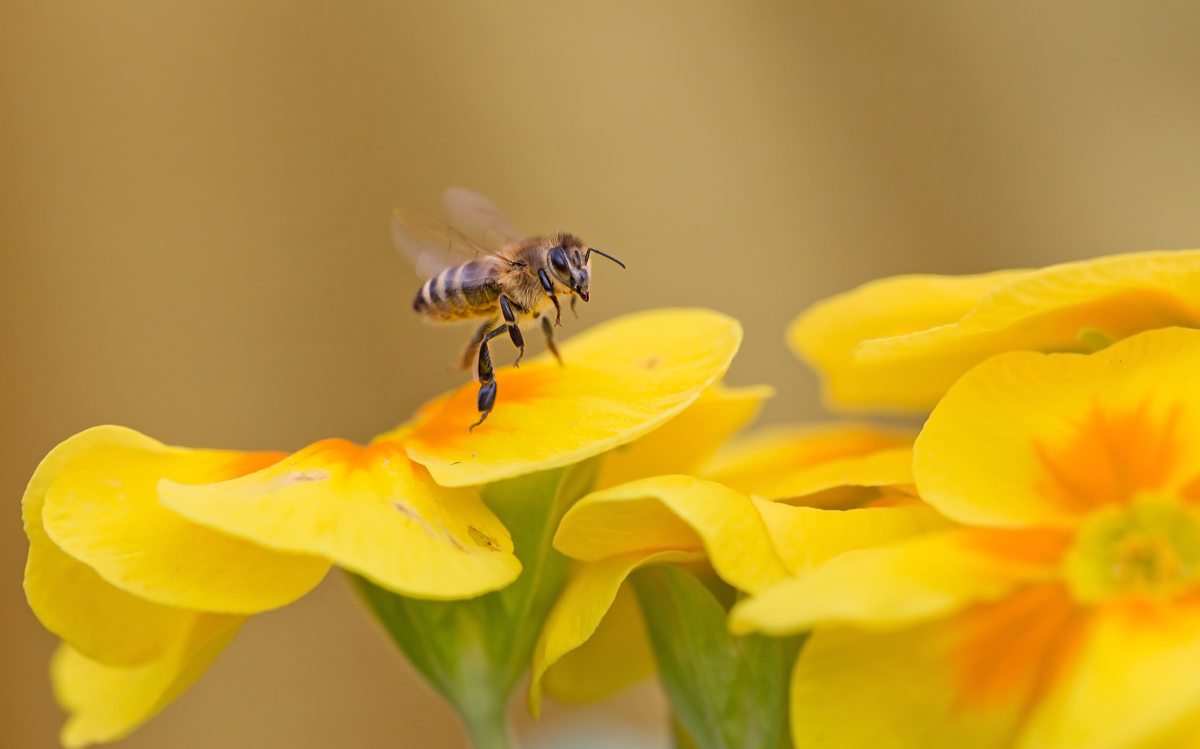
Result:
<point x="467" y="290"/>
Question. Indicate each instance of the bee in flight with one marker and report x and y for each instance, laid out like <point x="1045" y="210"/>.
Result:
<point x="501" y="278"/>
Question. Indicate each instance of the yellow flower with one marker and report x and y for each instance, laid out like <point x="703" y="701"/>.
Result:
<point x="144" y="598"/>
<point x="145" y="559"/>
<point x="622" y="380"/>
<point x="594" y="641"/>
<point x="1066" y="611"/>
<point x="901" y="342"/>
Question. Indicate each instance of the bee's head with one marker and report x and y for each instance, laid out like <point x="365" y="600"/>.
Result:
<point x="570" y="261"/>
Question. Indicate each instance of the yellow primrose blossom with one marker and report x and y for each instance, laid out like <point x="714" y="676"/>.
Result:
<point x="145" y="558"/>
<point x="901" y="342"/>
<point x="144" y="598"/>
<point x="1064" y="611"/>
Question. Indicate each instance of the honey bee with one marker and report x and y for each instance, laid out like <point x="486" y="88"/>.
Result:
<point x="502" y="278"/>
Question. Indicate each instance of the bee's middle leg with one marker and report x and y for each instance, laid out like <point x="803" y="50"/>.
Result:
<point x="487" y="379"/>
<point x="514" y="332"/>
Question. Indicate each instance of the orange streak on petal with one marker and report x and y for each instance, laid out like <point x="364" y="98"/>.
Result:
<point x="1109" y="458"/>
<point x="243" y="464"/>
<point x="1036" y="547"/>
<point x="1008" y="653"/>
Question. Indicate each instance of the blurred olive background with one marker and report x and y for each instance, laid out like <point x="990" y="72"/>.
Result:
<point x="193" y="229"/>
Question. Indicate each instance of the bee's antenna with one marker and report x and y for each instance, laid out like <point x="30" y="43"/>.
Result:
<point x="605" y="254"/>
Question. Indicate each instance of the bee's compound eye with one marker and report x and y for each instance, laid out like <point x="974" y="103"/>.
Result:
<point x="558" y="260"/>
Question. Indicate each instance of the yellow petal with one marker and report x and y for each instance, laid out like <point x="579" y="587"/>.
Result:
<point x="966" y="681"/>
<point x="806" y="537"/>
<point x="71" y="600"/>
<point x="909" y="581"/>
<point x="105" y="703"/>
<point x="674" y="512"/>
<point x="370" y="510"/>
<point x="1031" y="439"/>
<point x="827" y="334"/>
<point x="1133" y="678"/>
<point x="1071" y="307"/>
<point x="103" y="510"/>
<point x="824" y="465"/>
<point x="579" y="610"/>
<point x="687" y="441"/>
<point x="622" y="379"/>
<point x="617" y="655"/>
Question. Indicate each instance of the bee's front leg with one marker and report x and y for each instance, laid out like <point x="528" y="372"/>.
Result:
<point x="573" y="312"/>
<point x="548" y="329"/>
<point x="487" y="379"/>
<point x="549" y="288"/>
<point x="513" y="331"/>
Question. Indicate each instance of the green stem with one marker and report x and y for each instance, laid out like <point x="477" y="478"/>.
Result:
<point x="488" y="728"/>
<point x="474" y="651"/>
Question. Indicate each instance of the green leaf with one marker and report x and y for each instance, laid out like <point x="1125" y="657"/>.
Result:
<point x="474" y="651"/>
<point x="727" y="692"/>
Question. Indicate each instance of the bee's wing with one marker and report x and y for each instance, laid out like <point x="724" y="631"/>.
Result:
<point x="479" y="217"/>
<point x="434" y="245"/>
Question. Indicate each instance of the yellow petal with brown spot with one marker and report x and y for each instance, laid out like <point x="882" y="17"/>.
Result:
<point x="103" y="510"/>
<point x="370" y="510"/>
<point x="621" y="380"/>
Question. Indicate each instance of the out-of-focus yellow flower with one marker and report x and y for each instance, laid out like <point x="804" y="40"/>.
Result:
<point x="901" y="342"/>
<point x="145" y="559"/>
<point x="1066" y="613"/>
<point x="621" y="380"/>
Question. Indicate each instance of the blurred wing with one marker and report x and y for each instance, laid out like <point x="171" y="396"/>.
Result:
<point x="433" y="245"/>
<point x="479" y="217"/>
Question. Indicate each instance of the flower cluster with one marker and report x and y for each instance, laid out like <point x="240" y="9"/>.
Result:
<point x="1023" y="571"/>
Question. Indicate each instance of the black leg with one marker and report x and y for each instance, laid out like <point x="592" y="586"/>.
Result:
<point x="549" y="287"/>
<point x="468" y="353"/>
<point x="548" y="329"/>
<point x="573" y="312"/>
<point x="513" y="331"/>
<point x="487" y="379"/>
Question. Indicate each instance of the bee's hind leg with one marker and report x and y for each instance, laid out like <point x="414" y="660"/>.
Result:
<point x="467" y="357"/>
<point x="514" y="332"/>
<point x="548" y="329"/>
<point x="487" y="378"/>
